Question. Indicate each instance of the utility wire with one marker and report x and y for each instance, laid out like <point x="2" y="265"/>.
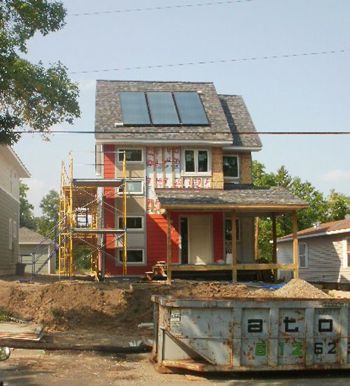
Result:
<point x="216" y="61"/>
<point x="159" y="8"/>
<point x="182" y="132"/>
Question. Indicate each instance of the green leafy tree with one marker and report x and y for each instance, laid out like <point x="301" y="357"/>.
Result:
<point x="30" y="94"/>
<point x="26" y="218"/>
<point x="47" y="223"/>
<point x="338" y="205"/>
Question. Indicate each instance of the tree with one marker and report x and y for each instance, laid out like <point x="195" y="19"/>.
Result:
<point x="26" y="218"/>
<point x="30" y="94"/>
<point x="338" y="205"/>
<point x="47" y="223"/>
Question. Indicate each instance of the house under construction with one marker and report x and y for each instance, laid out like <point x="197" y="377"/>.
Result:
<point x="82" y="202"/>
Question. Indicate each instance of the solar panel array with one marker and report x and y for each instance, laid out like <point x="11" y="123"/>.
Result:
<point x="162" y="108"/>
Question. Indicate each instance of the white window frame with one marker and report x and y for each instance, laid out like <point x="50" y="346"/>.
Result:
<point x="120" y="261"/>
<point x="228" y="178"/>
<point x="140" y="193"/>
<point x="196" y="172"/>
<point x="132" y="229"/>
<point x="119" y="150"/>
<point x="345" y="252"/>
<point x="306" y="255"/>
<point x="10" y="233"/>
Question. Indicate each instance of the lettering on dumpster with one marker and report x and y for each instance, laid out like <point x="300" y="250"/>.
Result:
<point x="325" y="325"/>
<point x="255" y="325"/>
<point x="288" y="325"/>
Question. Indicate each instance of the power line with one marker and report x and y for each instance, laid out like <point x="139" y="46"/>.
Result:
<point x="215" y="61"/>
<point x="187" y="132"/>
<point x="159" y="8"/>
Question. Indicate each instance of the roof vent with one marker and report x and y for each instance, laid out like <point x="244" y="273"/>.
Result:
<point x="118" y="124"/>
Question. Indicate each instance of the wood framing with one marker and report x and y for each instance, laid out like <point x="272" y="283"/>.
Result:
<point x="168" y="249"/>
<point x="295" y="245"/>
<point x="234" y="246"/>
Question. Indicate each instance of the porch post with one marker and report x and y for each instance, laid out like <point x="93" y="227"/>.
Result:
<point x="234" y="247"/>
<point x="168" y="248"/>
<point x="256" y="238"/>
<point x="274" y="243"/>
<point x="295" y="245"/>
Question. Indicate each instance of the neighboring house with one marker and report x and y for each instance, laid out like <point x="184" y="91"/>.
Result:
<point x="37" y="252"/>
<point x="11" y="170"/>
<point x="189" y="177"/>
<point x="324" y="252"/>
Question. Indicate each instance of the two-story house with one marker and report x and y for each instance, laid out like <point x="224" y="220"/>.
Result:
<point x="11" y="170"/>
<point x="189" y="176"/>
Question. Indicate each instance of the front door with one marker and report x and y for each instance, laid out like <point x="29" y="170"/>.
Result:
<point x="200" y="239"/>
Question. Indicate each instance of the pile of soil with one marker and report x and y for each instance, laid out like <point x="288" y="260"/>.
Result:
<point x="298" y="288"/>
<point x="69" y="305"/>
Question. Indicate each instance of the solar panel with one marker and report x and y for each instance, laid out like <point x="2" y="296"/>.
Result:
<point x="190" y="108"/>
<point x="162" y="108"/>
<point x="134" y="108"/>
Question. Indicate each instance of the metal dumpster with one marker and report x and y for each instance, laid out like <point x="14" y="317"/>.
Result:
<point x="251" y="334"/>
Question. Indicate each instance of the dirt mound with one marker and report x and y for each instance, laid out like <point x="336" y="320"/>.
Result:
<point x="298" y="288"/>
<point x="70" y="305"/>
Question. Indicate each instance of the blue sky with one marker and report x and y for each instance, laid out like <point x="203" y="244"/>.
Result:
<point x="303" y="93"/>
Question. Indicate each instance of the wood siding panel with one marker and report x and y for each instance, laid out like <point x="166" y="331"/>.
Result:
<point x="245" y="168"/>
<point x="325" y="259"/>
<point x="217" y="168"/>
<point x="9" y="208"/>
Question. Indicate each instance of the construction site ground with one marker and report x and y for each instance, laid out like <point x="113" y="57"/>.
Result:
<point x="82" y="312"/>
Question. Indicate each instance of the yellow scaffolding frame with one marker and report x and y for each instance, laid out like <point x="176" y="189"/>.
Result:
<point x="81" y="196"/>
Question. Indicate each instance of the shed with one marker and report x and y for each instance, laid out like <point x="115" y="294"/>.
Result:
<point x="37" y="252"/>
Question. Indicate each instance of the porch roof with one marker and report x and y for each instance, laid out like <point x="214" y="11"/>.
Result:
<point x="273" y="199"/>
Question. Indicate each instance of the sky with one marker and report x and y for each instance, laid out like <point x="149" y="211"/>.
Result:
<point x="302" y="93"/>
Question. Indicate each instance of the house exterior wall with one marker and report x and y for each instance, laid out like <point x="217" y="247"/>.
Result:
<point x="9" y="220"/>
<point x="162" y="167"/>
<point x="326" y="259"/>
<point x="9" y="179"/>
<point x="42" y="252"/>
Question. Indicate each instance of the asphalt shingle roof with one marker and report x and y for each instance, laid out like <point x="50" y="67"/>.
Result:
<point x="239" y="121"/>
<point x="276" y="197"/>
<point x="322" y="229"/>
<point x="26" y="235"/>
<point x="227" y="115"/>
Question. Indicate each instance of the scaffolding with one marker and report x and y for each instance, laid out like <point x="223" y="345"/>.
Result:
<point x="81" y="219"/>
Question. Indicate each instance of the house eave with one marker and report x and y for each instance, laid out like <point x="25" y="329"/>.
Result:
<point x="331" y="233"/>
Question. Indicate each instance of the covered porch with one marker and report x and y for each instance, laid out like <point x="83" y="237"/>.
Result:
<point x="213" y="230"/>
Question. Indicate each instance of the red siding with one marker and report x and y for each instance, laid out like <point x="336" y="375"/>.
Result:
<point x="109" y="208"/>
<point x="156" y="236"/>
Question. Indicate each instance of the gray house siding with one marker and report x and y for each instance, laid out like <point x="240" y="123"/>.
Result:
<point x="326" y="257"/>
<point x="9" y="216"/>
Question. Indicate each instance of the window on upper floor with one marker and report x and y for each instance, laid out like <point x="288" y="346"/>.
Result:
<point x="231" y="166"/>
<point x="162" y="108"/>
<point x="196" y="161"/>
<point x="132" y="155"/>
<point x="303" y="255"/>
<point x="133" y="187"/>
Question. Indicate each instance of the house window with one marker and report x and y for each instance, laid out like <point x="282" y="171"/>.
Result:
<point x="231" y="166"/>
<point x="134" y="256"/>
<point x="132" y="155"/>
<point x="196" y="161"/>
<point x="303" y="255"/>
<point x="132" y="222"/>
<point x="10" y="233"/>
<point x="347" y="253"/>
<point x="133" y="187"/>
